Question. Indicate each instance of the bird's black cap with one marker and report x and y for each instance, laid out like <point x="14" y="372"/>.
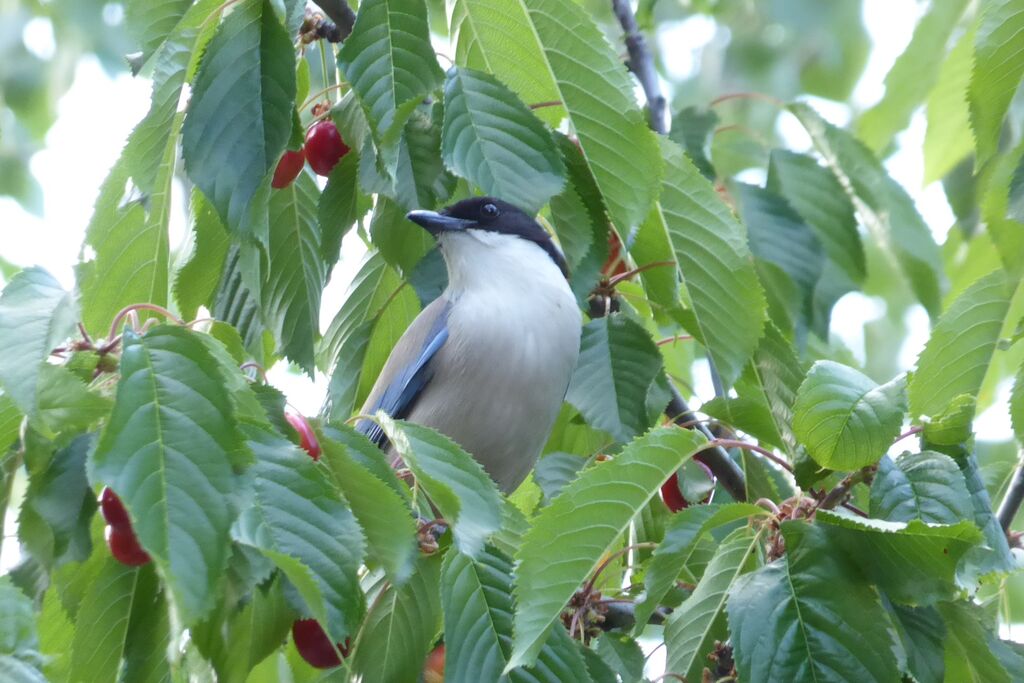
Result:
<point x="495" y="215"/>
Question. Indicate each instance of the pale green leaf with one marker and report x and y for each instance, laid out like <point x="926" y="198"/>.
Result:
<point x="845" y="420"/>
<point x="1017" y="405"/>
<point x="911" y="76"/>
<point x="151" y="22"/>
<point x="464" y="494"/>
<point x="957" y="356"/>
<point x="569" y="537"/>
<point x="240" y="114"/>
<point x="169" y="451"/>
<point x="717" y="268"/>
<point x="695" y="626"/>
<point x="969" y="656"/>
<point x="998" y="67"/>
<point x="948" y="139"/>
<point x="196" y="281"/>
<point x="493" y="140"/>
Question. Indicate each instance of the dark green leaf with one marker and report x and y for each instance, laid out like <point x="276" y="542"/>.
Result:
<point x="401" y="242"/>
<point x="845" y="420"/>
<point x="998" y="67"/>
<point x="168" y="451"/>
<point x="151" y="22"/>
<point x="922" y="632"/>
<point x="927" y="486"/>
<point x="597" y="507"/>
<point x="493" y="140"/>
<point x="783" y="617"/>
<point x="340" y="206"/>
<point x="618" y="363"/>
<point x="196" y="282"/>
<point x="295" y="511"/>
<point x="555" y="470"/>
<point x="994" y="555"/>
<point x="914" y="563"/>
<point x="36" y="316"/>
<point x="693" y="129"/>
<point x="237" y="302"/>
<point x="969" y="656"/>
<point x="240" y="114"/>
<point x="623" y="654"/>
<point x="957" y="356"/>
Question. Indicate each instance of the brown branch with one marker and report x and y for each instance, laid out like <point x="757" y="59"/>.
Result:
<point x="641" y="63"/>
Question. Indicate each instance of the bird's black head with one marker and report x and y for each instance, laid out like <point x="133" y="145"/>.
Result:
<point x="494" y="215"/>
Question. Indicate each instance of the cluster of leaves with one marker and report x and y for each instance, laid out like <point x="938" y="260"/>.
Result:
<point x="852" y="564"/>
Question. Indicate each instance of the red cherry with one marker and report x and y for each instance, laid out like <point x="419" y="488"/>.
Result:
<point x="671" y="494"/>
<point x="315" y="647"/>
<point x="307" y="437"/>
<point x="287" y="169"/>
<point x="324" y="147"/>
<point x="433" y="670"/>
<point x="113" y="510"/>
<point x="125" y="548"/>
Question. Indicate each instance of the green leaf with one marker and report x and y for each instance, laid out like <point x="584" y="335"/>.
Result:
<point x="783" y="617"/>
<point x="969" y="656"/>
<point x="884" y="205"/>
<point x="558" y="43"/>
<point x="402" y="626"/>
<point x="389" y="61"/>
<point x="56" y="631"/>
<point x="240" y="114"/>
<point x="19" y="645"/>
<point x="652" y="247"/>
<point x="994" y="557"/>
<point x="149" y="634"/>
<point x="10" y="422"/>
<point x="196" y="282"/>
<point x="818" y="197"/>
<point x="464" y="494"/>
<point x="618" y="362"/>
<point x="953" y="425"/>
<point x="682" y="532"/>
<point x="922" y="632"/>
<point x="845" y="420"/>
<point x="1017" y="405"/>
<point x="237" y="304"/>
<point x="998" y="67"/>
<point x="151" y="22"/>
<point x="948" y="138"/>
<point x="623" y="654"/>
<point x="65" y="403"/>
<point x="1015" y="202"/>
<point x="927" y="486"/>
<point x="957" y="355"/>
<point x="694" y="626"/>
<point x="101" y="627"/>
<point x="717" y="269"/>
<point x="168" y="451"/>
<point x="693" y="129"/>
<point x="341" y="204"/>
<point x="401" y="242"/>
<point x="36" y="316"/>
<point x="911" y="76"/>
<point x="383" y="513"/>
<point x="1006" y="233"/>
<point x="296" y="274"/>
<point x="493" y="140"/>
<point x="914" y="562"/>
<point x="597" y="507"/>
<point x="296" y="512"/>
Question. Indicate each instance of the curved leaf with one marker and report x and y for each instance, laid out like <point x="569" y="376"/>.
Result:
<point x="569" y="537"/>
<point x="927" y="486"/>
<point x="240" y="114"/>
<point x="694" y="626"/>
<point x="845" y="420"/>
<point x="948" y="138"/>
<point x="617" y="364"/>
<point x="169" y="451"/>
<point x="784" y="624"/>
<point x="717" y="269"/>
<point x="465" y="495"/>
<point x="295" y="511"/>
<point x="957" y="355"/>
<point x="998" y="67"/>
<point x="532" y="44"/>
<point x="492" y="139"/>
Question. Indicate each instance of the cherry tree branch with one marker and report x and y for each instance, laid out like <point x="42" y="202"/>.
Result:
<point x="716" y="458"/>
<point x="641" y="63"/>
<point x="1014" y="496"/>
<point x="342" y="20"/>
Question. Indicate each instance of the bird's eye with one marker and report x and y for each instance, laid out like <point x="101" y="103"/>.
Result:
<point x="490" y="210"/>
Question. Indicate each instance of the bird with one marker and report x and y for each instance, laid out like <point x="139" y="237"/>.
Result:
<point x="488" y="362"/>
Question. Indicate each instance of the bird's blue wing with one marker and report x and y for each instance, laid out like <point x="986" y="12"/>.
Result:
<point x="405" y="387"/>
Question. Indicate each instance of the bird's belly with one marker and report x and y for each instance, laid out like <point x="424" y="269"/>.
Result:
<point x="510" y="376"/>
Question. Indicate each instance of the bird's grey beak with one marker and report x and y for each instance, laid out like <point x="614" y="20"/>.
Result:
<point x="435" y="223"/>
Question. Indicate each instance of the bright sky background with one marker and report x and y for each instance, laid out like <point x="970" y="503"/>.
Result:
<point x="97" y="114"/>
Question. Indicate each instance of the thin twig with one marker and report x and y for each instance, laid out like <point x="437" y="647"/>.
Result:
<point x="1014" y="496"/>
<point x="549" y="103"/>
<point x="909" y="432"/>
<point x="641" y="63"/>
<point x="736" y="443"/>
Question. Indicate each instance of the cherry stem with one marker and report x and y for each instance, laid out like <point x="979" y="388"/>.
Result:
<point x="673" y="339"/>
<point x="549" y="103"/>
<point x="589" y="587"/>
<point x="140" y="307"/>
<point x="736" y="443"/>
<point x="630" y="273"/>
<point x="747" y="96"/>
<point x="323" y="91"/>
<point x="257" y="367"/>
<point x="909" y="432"/>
